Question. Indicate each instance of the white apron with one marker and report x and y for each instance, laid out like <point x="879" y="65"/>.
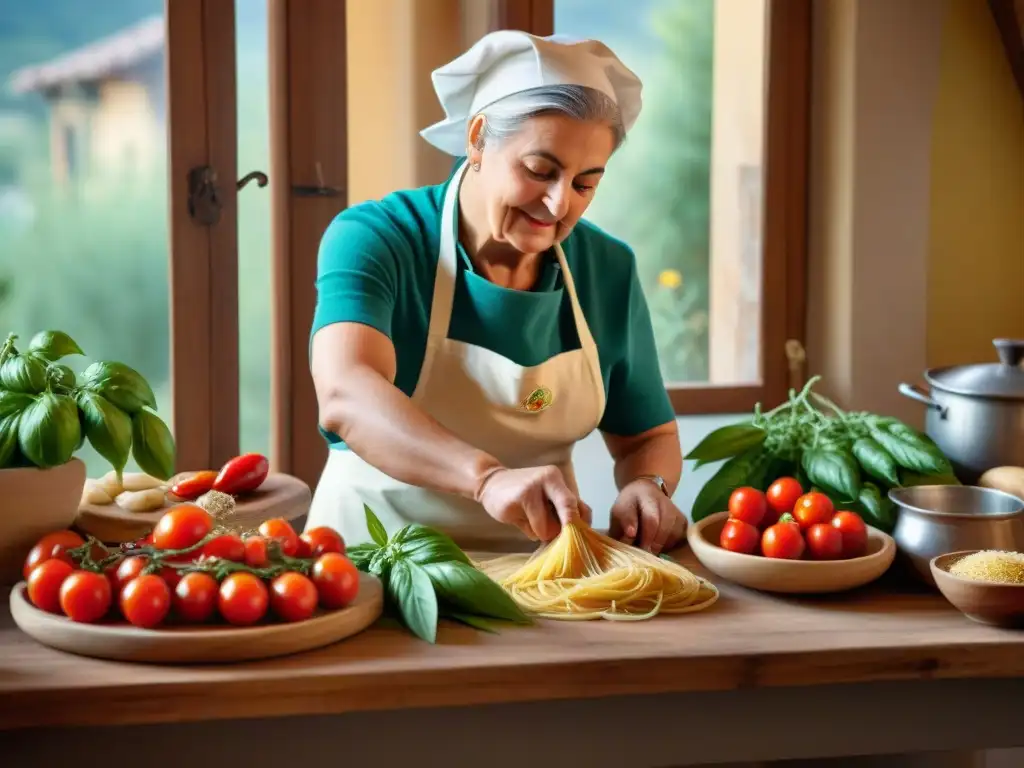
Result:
<point x="523" y="416"/>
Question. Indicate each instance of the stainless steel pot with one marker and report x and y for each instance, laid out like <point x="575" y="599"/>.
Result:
<point x="936" y="519"/>
<point x="976" y="412"/>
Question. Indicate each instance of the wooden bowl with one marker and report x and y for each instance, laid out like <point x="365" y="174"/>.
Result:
<point x="789" y="576"/>
<point x="191" y="644"/>
<point x="999" y="605"/>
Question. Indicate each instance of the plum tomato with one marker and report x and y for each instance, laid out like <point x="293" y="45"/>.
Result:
<point x="854" y="532"/>
<point x="322" y="540"/>
<point x="52" y="545"/>
<point x="181" y="527"/>
<point x="44" y="584"/>
<point x="747" y="504"/>
<point x="256" y="551"/>
<point x="782" y="495"/>
<point x="783" y="540"/>
<point x="738" y="536"/>
<point x="85" y="596"/>
<point x="242" y="474"/>
<point x="195" y="597"/>
<point x="293" y="596"/>
<point x="226" y="547"/>
<point x="812" y="508"/>
<point x="336" y="580"/>
<point x="242" y="598"/>
<point x="145" y="601"/>
<point x="824" y="542"/>
<point x="280" y="529"/>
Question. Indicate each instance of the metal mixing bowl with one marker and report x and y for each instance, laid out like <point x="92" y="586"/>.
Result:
<point x="936" y="519"/>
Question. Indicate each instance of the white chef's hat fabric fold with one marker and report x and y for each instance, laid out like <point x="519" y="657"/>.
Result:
<point x="506" y="62"/>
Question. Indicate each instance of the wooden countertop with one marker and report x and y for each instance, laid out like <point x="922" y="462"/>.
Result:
<point x="746" y="640"/>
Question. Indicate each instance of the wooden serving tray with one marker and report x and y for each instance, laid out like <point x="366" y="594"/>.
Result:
<point x="198" y="643"/>
<point x="280" y="495"/>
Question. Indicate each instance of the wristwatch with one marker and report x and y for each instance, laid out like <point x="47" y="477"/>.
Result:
<point x="658" y="480"/>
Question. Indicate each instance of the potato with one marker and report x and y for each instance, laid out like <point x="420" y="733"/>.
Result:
<point x="93" y="493"/>
<point x="110" y="484"/>
<point x="1007" y="479"/>
<point x="141" y="501"/>
<point x="140" y="481"/>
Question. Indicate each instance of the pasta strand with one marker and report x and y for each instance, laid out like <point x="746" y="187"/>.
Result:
<point x="583" y="575"/>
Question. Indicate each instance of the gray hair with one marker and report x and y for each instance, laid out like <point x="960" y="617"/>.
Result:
<point x="505" y="117"/>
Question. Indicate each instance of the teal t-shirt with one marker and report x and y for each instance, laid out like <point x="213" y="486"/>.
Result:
<point x="377" y="263"/>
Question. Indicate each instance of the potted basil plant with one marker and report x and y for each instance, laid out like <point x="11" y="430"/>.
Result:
<point x="47" y="413"/>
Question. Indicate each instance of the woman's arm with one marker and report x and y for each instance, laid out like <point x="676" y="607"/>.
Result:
<point x="353" y="369"/>
<point x="654" y="452"/>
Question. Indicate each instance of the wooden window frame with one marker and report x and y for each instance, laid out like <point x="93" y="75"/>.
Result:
<point x="308" y="187"/>
<point x="785" y="201"/>
<point x="202" y="131"/>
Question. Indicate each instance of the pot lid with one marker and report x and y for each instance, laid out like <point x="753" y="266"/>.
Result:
<point x="1004" y="379"/>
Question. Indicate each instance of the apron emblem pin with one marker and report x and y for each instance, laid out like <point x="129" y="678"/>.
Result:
<point x="539" y="400"/>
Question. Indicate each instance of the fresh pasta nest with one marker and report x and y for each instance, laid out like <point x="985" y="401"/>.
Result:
<point x="583" y="574"/>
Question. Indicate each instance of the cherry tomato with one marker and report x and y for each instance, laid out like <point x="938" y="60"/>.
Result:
<point x="738" y="536"/>
<point x="747" y="504"/>
<point x="782" y="495"/>
<point x="336" y="580"/>
<point x="293" y="596"/>
<point x="256" y="551"/>
<point x="85" y="596"/>
<point x="44" y="584"/>
<point x="303" y="550"/>
<point x="824" y="542"/>
<point x="195" y="597"/>
<point x="783" y="540"/>
<point x="226" y="547"/>
<point x="242" y="474"/>
<point x="813" y="508"/>
<point x="145" y="601"/>
<point x="171" y="575"/>
<point x="52" y="546"/>
<point x="322" y="540"/>
<point x="242" y="598"/>
<point x="280" y="529"/>
<point x="130" y="568"/>
<point x="854" y="532"/>
<point x="181" y="527"/>
<point x="195" y="485"/>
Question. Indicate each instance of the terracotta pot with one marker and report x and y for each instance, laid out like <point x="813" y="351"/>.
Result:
<point x="34" y="502"/>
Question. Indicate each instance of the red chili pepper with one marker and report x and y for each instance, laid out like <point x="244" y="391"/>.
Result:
<point x="242" y="474"/>
<point x="195" y="485"/>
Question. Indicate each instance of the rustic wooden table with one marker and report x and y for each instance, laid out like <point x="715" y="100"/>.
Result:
<point x="755" y="677"/>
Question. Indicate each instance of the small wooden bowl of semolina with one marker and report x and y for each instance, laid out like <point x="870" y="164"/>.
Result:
<point x="987" y="586"/>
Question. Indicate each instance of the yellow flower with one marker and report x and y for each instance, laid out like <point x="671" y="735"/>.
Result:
<point x="671" y="278"/>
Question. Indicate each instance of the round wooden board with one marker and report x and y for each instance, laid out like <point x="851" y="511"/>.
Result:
<point x="280" y="496"/>
<point x="198" y="644"/>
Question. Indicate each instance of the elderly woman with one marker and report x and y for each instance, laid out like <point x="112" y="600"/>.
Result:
<point x="468" y="335"/>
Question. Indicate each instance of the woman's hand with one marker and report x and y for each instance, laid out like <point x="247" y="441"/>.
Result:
<point x="642" y="508"/>
<point x="534" y="499"/>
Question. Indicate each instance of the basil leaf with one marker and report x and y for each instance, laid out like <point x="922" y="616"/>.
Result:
<point x="737" y="471"/>
<point x="411" y="591"/>
<point x="120" y="384"/>
<point x="53" y="345"/>
<point x="152" y="444"/>
<point x="375" y="527"/>
<point x="878" y="509"/>
<point x="8" y="439"/>
<point x="49" y="430"/>
<point x="468" y="589"/>
<point x="726" y="442"/>
<point x="108" y="428"/>
<point x="470" y="620"/>
<point x="361" y="554"/>
<point x="13" y="403"/>
<point x="424" y="545"/>
<point x="909" y="479"/>
<point x="835" y="470"/>
<point x="876" y="461"/>
<point x="917" y="456"/>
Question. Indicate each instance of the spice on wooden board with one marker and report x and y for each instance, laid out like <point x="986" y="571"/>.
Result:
<point x="991" y="565"/>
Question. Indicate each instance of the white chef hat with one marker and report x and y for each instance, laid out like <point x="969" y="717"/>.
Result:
<point x="508" y="61"/>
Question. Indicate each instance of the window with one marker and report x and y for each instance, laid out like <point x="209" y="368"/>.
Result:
<point x="709" y="189"/>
